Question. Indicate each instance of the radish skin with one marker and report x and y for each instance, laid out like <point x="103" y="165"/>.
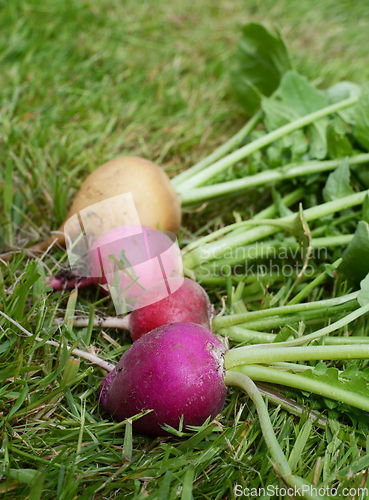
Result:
<point x="174" y="370"/>
<point x="105" y="387"/>
<point x="188" y="303"/>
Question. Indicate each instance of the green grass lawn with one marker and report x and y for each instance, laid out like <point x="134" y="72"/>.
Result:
<point x="81" y="83"/>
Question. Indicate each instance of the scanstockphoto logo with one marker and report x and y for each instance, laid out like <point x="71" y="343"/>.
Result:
<point x="260" y="260"/>
<point x="128" y="258"/>
<point x="305" y="491"/>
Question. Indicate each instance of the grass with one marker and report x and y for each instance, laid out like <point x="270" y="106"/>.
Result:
<point x="82" y="82"/>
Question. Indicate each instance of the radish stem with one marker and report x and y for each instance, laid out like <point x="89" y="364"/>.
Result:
<point x="270" y="250"/>
<point x="230" y="230"/>
<point x="219" y="152"/>
<point x="291" y="406"/>
<point x="234" y="319"/>
<point x="304" y="339"/>
<point x="267" y="374"/>
<point x="317" y="281"/>
<point x="279" y="460"/>
<point x="274" y="353"/>
<point x="109" y="322"/>
<point x="275" y="322"/>
<point x="245" y="383"/>
<point x="290" y="171"/>
<point x="210" y="172"/>
<point x="217" y="249"/>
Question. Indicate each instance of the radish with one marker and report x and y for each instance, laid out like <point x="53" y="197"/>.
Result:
<point x="117" y="193"/>
<point x="156" y="307"/>
<point x="105" y="387"/>
<point x="174" y="370"/>
<point x="130" y="259"/>
<point x="171" y="301"/>
<point x="125" y="261"/>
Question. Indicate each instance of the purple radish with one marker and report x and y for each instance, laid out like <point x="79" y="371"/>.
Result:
<point x="104" y="388"/>
<point x="175" y="370"/>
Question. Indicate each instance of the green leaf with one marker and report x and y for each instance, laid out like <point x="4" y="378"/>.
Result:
<point x="316" y="133"/>
<point x="70" y="309"/>
<point x="22" y="475"/>
<point x="283" y="334"/>
<point x="60" y="199"/>
<point x="246" y="93"/>
<point x="296" y="91"/>
<point x="355" y="385"/>
<point x="40" y="286"/>
<point x="262" y="58"/>
<point x="70" y="370"/>
<point x="304" y="98"/>
<point x="338" y="183"/>
<point x="362" y="118"/>
<point x="330" y="268"/>
<point x="2" y="286"/>
<point x="282" y="209"/>
<point x="5" y="346"/>
<point x="355" y="259"/>
<point x="8" y="189"/>
<point x="341" y="91"/>
<point x="338" y="145"/>
<point x="127" y="444"/>
<point x="297" y="98"/>
<point x="188" y="484"/>
<point x="363" y="297"/>
<point x="22" y="292"/>
<point x="164" y="487"/>
<point x="277" y="113"/>
<point x="302" y="234"/>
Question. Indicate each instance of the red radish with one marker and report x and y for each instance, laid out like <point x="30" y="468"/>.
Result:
<point x="169" y="301"/>
<point x="189" y="302"/>
<point x="175" y="370"/>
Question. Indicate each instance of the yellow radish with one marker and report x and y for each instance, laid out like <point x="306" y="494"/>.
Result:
<point x="155" y="200"/>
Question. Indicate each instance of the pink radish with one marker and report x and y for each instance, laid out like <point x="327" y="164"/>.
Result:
<point x="125" y="261"/>
<point x="130" y="259"/>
